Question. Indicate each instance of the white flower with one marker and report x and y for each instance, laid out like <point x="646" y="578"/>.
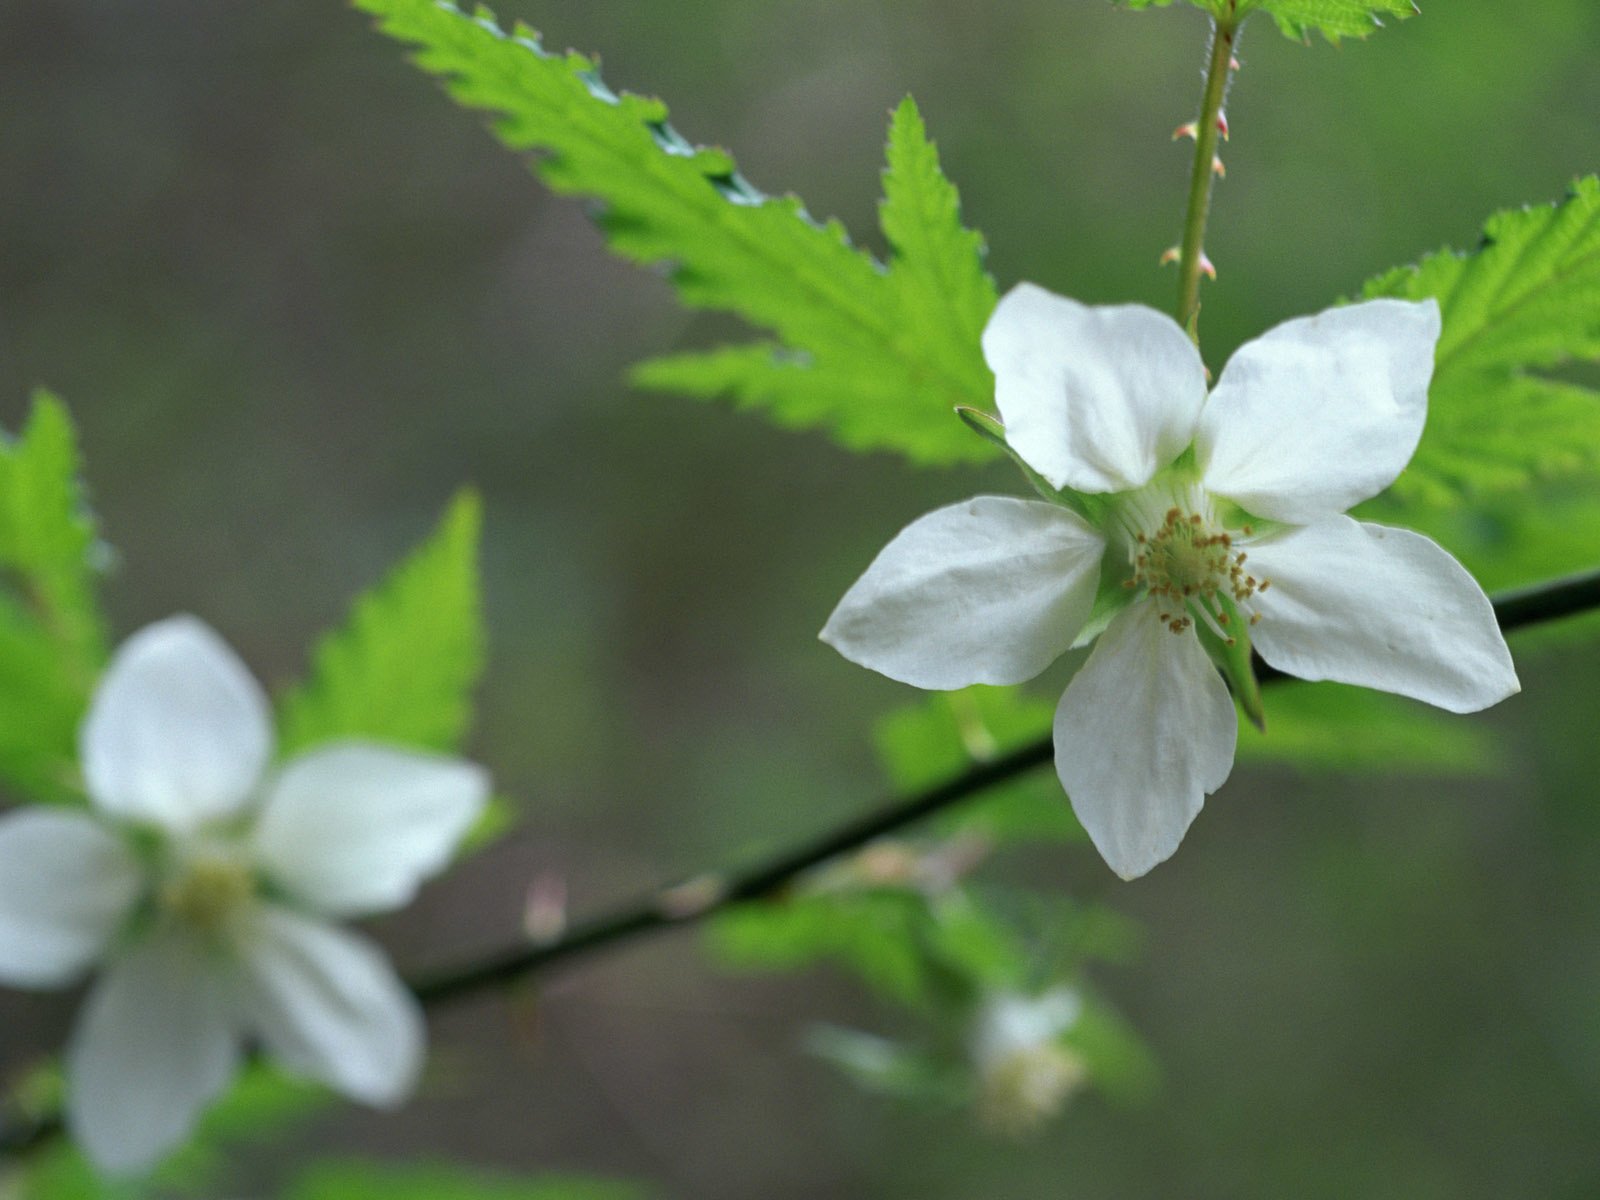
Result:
<point x="1024" y="1071"/>
<point x="1185" y="521"/>
<point x="201" y="877"/>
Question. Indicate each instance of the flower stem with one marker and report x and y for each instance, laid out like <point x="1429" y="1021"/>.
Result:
<point x="1207" y="132"/>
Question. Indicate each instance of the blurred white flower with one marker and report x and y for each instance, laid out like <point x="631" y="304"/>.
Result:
<point x="1186" y="526"/>
<point x="1025" y="1072"/>
<point x="201" y="878"/>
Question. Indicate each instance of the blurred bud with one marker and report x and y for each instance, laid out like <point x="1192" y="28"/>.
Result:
<point x="1222" y="125"/>
<point x="1220" y="171"/>
<point x="1024" y="1072"/>
<point x="1208" y="267"/>
<point x="932" y="869"/>
<point x="692" y="898"/>
<point x="544" y="908"/>
<point x="1171" y="255"/>
<point x="1190" y="130"/>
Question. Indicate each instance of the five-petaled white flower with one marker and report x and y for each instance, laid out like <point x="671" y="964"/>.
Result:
<point x="202" y="877"/>
<point x="1187" y="524"/>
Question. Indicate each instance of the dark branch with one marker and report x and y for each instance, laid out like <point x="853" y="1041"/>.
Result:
<point x="697" y="899"/>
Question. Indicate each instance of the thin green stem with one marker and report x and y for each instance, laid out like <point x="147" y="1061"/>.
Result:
<point x="1207" y="134"/>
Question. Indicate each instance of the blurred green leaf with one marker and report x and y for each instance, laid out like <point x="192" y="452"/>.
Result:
<point x="1527" y="299"/>
<point x="258" y="1107"/>
<point x="877" y="356"/>
<point x="873" y="933"/>
<point x="946" y="733"/>
<point x="52" y="640"/>
<point x="1334" y="19"/>
<point x="373" y="1181"/>
<point x="1332" y="726"/>
<point x="403" y="666"/>
<point x="1120" y="1064"/>
<point x="890" y="1068"/>
<point x="923" y="952"/>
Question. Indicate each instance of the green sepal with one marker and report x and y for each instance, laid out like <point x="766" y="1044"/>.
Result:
<point x="1233" y="658"/>
<point x="989" y="428"/>
<point x="1110" y="598"/>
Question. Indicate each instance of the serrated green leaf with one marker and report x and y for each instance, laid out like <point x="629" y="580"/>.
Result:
<point x="52" y="640"/>
<point x="1298" y="19"/>
<point x="878" y="356"/>
<point x="350" y="1180"/>
<point x="403" y="666"/>
<point x="1527" y="300"/>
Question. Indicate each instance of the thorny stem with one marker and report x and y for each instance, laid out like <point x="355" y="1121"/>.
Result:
<point x="691" y="902"/>
<point x="1207" y="132"/>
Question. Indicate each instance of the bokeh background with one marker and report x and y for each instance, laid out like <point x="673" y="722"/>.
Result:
<point x="295" y="298"/>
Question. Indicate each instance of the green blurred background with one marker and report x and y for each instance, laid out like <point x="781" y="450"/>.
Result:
<point x="295" y="297"/>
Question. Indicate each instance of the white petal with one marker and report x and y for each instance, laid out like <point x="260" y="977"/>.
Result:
<point x="1096" y="399"/>
<point x="1144" y="733"/>
<point x="327" y="1005"/>
<point x="1382" y="608"/>
<point x="355" y="828"/>
<point x="178" y="731"/>
<point x="1321" y="412"/>
<point x="991" y="590"/>
<point x="66" y="884"/>
<point x="154" y="1045"/>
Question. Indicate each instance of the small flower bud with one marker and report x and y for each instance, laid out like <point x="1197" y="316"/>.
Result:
<point x="1025" y="1074"/>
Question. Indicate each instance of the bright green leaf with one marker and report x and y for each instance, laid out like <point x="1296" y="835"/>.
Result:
<point x="877" y="355"/>
<point x="52" y="641"/>
<point x="1527" y="300"/>
<point x="403" y="666"/>
<point x="1333" y="19"/>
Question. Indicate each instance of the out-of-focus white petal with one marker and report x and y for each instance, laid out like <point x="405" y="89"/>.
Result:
<point x="1321" y="412"/>
<point x="991" y="590"/>
<point x="178" y="732"/>
<point x="1145" y="731"/>
<point x="154" y="1045"/>
<point x="355" y="828"/>
<point x="1095" y="399"/>
<point x="66" y="884"/>
<point x="1379" y="607"/>
<point x="327" y="1005"/>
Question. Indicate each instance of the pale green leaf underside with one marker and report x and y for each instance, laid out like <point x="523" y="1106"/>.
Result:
<point x="1334" y="19"/>
<point x="878" y="355"/>
<point x="1527" y="300"/>
<point x="403" y="666"/>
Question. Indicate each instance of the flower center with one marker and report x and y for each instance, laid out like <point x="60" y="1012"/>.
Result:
<point x="208" y="891"/>
<point x="1192" y="568"/>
